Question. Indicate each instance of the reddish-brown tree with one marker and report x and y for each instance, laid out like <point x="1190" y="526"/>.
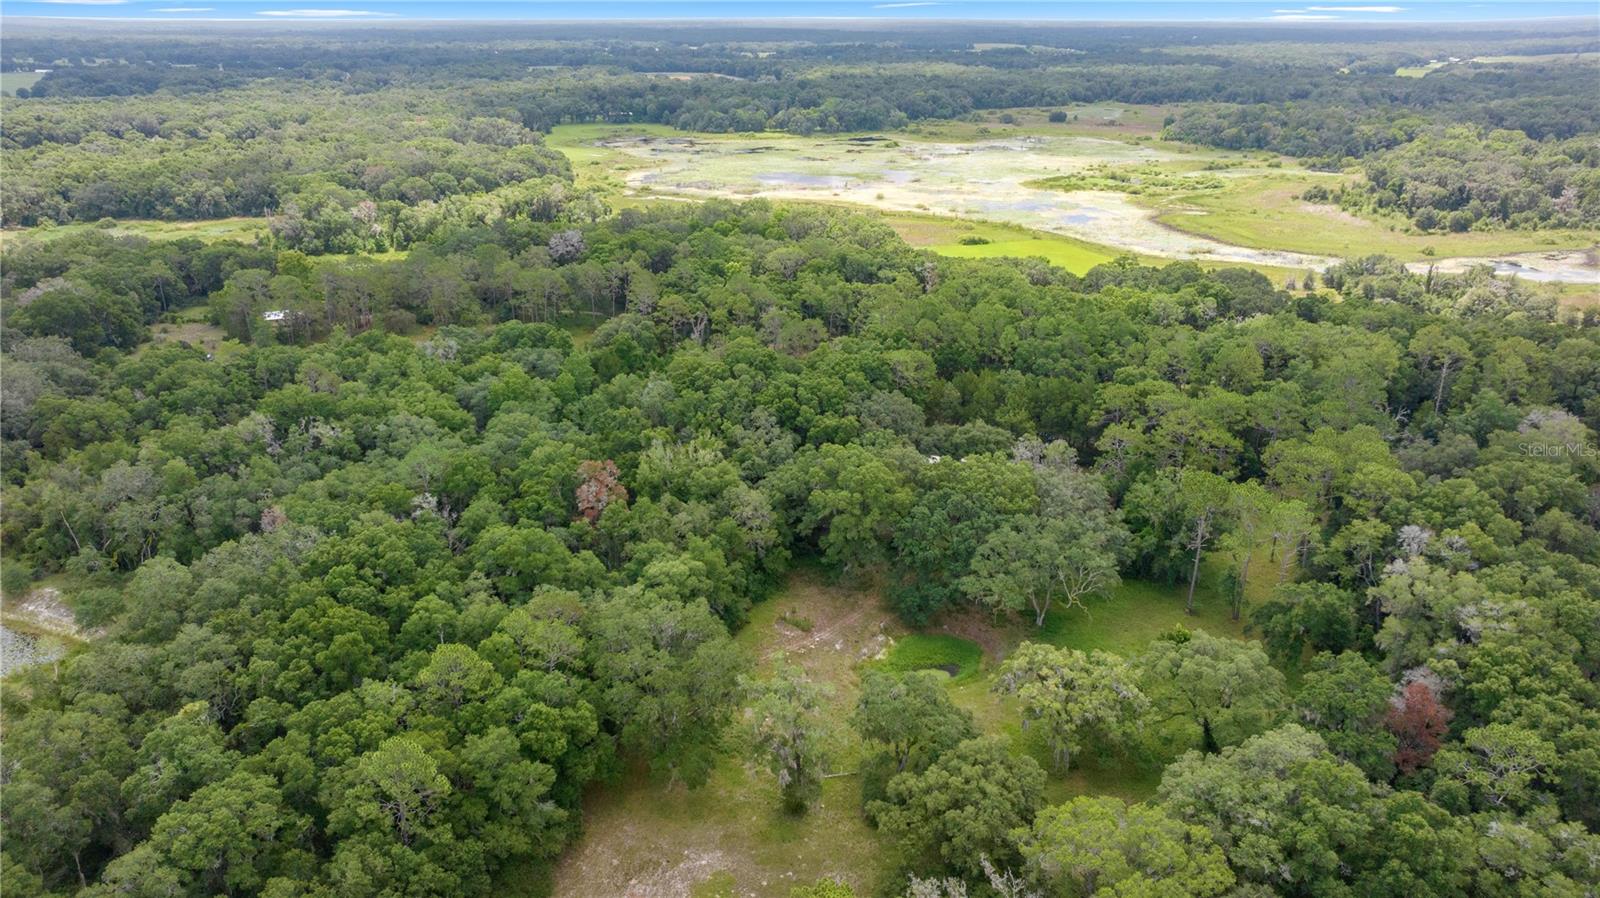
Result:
<point x="1419" y="721"/>
<point x="599" y="485"/>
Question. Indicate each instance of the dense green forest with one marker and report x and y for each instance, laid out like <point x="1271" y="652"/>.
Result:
<point x="392" y="604"/>
<point x="459" y="522"/>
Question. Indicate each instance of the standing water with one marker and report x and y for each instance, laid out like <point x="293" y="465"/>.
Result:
<point x="18" y="650"/>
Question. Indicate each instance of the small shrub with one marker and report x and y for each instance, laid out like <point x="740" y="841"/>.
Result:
<point x="972" y="240"/>
<point x="15" y="579"/>
<point x="794" y="619"/>
<point x="1057" y="117"/>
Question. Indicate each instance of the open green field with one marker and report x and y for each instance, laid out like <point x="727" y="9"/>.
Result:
<point x="1419" y="71"/>
<point x="646" y="837"/>
<point x="643" y="836"/>
<point x="244" y="229"/>
<point x="944" y="235"/>
<point x="193" y="326"/>
<point x="10" y="81"/>
<point x="1266" y="210"/>
<point x="594" y="163"/>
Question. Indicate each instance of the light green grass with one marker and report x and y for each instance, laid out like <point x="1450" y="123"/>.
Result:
<point x="1135" y="613"/>
<point x="942" y="235"/>
<point x="1266" y="211"/>
<point x="1064" y="252"/>
<point x="1123" y="623"/>
<point x="244" y="229"/>
<point x="1418" y="71"/>
<point x="958" y="657"/>
<point x="960" y="171"/>
<point x="599" y="167"/>
<point x="10" y="81"/>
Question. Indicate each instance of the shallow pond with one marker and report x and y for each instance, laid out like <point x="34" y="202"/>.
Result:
<point x="18" y="649"/>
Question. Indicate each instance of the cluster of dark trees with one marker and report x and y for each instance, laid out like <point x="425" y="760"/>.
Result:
<point x="374" y="611"/>
<point x="1460" y="179"/>
<point x="339" y="167"/>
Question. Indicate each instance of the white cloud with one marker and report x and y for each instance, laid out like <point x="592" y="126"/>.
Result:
<point x="1319" y="9"/>
<point x="320" y="13"/>
<point x="902" y="5"/>
<point x="85" y="2"/>
<point x="1297" y="17"/>
<point x="186" y="9"/>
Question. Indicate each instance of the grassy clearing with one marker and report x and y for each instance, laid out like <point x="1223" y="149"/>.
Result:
<point x="955" y="170"/>
<point x="597" y="166"/>
<point x="644" y="837"/>
<point x="244" y="229"/>
<point x="728" y="837"/>
<point x="943" y="235"/>
<point x="1032" y="188"/>
<point x="1123" y="624"/>
<point x="1266" y="211"/>
<point x="1418" y="71"/>
<point x="934" y="651"/>
<point x="1076" y="256"/>
<point x="10" y="81"/>
<point x="1421" y="71"/>
<point x="199" y="334"/>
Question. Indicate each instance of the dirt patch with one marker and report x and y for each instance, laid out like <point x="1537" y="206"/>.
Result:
<point x="848" y="624"/>
<point x="674" y="878"/>
<point x="43" y="610"/>
<point x="1555" y="266"/>
<point x="1326" y="210"/>
<point x="995" y="637"/>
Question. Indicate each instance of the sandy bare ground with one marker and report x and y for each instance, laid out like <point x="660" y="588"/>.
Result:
<point x="1575" y="266"/>
<point x="43" y="610"/>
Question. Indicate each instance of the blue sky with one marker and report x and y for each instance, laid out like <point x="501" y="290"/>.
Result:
<point x="1309" y="13"/>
